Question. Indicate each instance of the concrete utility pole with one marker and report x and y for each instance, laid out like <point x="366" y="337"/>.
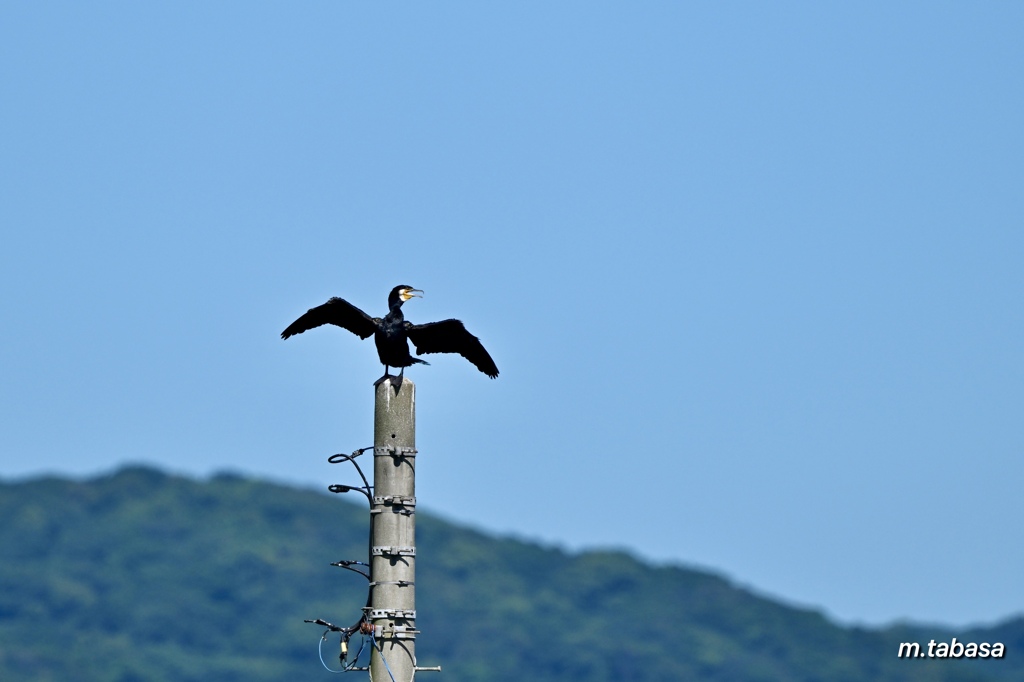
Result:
<point x="393" y="535"/>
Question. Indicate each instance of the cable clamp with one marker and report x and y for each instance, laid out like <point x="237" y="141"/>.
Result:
<point x="397" y="510"/>
<point x="400" y="504"/>
<point x="405" y="614"/>
<point x="393" y="551"/>
<point x="398" y="632"/>
<point x="400" y="583"/>
<point x="403" y="500"/>
<point x="342" y="457"/>
<point x="431" y="669"/>
<point x="393" y="451"/>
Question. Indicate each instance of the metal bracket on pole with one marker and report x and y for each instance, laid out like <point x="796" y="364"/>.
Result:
<point x="376" y="614"/>
<point x="400" y="583"/>
<point x="394" y="451"/>
<point x="399" y="504"/>
<point x="397" y="632"/>
<point x="397" y="510"/>
<point x="433" y="669"/>
<point x="393" y="551"/>
<point x="403" y="500"/>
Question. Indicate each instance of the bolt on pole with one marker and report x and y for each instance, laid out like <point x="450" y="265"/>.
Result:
<point x="393" y="536"/>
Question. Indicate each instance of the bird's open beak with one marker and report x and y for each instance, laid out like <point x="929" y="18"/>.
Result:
<point x="410" y="293"/>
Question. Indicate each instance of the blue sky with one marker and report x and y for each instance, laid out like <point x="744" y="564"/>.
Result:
<point x="751" y="271"/>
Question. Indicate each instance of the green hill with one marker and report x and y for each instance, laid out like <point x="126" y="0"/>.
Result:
<point x="145" y="576"/>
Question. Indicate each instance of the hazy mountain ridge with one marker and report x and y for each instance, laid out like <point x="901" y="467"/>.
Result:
<point x="144" y="576"/>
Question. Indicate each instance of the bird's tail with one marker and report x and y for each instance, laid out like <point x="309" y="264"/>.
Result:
<point x="422" y="362"/>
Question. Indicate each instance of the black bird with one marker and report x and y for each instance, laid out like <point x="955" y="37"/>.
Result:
<point x="392" y="332"/>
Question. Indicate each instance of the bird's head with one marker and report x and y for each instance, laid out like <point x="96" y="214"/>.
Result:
<point x="401" y="294"/>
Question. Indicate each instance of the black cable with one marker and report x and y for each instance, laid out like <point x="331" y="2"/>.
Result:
<point x="341" y="458"/>
<point x="347" y="565"/>
<point x="346" y="633"/>
<point x="355" y="659"/>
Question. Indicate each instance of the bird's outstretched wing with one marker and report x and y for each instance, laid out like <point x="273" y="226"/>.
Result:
<point x="336" y="311"/>
<point x="450" y="336"/>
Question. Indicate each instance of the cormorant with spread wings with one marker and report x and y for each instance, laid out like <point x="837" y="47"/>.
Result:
<point x="391" y="333"/>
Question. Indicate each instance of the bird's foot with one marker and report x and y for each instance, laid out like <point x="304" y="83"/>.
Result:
<point x="394" y="380"/>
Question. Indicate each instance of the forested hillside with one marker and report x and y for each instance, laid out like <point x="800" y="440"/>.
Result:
<point x="145" y="576"/>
